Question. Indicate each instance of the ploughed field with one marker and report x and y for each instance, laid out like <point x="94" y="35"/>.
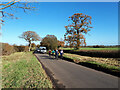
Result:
<point x="87" y="48"/>
<point x="95" y="52"/>
<point x="22" y="70"/>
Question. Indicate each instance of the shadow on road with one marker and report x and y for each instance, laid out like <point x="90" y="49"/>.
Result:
<point x="55" y="82"/>
<point x="48" y="57"/>
<point x="95" y="66"/>
<point x="86" y="64"/>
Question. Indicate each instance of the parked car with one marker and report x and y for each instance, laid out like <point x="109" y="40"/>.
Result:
<point x="43" y="49"/>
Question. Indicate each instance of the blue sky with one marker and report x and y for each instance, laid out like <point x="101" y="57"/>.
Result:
<point x="51" y="17"/>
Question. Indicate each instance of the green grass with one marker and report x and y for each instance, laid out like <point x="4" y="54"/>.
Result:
<point x="22" y="70"/>
<point x="71" y="57"/>
<point x="114" y="49"/>
<point x="104" y="65"/>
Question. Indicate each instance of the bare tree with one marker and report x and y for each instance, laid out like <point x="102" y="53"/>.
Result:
<point x="75" y="32"/>
<point x="30" y="36"/>
<point x="13" y="5"/>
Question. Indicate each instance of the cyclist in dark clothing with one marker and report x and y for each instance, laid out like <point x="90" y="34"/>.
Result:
<point x="49" y="53"/>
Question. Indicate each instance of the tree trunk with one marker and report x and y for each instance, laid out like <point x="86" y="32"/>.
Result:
<point x="78" y="40"/>
<point x="29" y="45"/>
<point x="78" y="37"/>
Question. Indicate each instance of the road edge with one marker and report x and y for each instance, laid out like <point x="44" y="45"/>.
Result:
<point x="47" y="71"/>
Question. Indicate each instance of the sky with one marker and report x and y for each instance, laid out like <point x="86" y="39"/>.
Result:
<point x="51" y="17"/>
<point x="64" y="0"/>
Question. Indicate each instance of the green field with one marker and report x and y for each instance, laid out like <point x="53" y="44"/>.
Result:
<point x="22" y="70"/>
<point x="114" y="49"/>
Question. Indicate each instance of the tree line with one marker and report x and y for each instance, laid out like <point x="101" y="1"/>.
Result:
<point x="75" y="32"/>
<point x="8" y="49"/>
<point x="49" y="41"/>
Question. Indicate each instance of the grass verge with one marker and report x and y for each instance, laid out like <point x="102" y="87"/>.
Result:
<point x="22" y="70"/>
<point x="99" y="64"/>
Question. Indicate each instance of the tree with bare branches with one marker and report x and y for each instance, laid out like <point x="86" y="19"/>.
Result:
<point x="13" y="5"/>
<point x="75" y="32"/>
<point x="30" y="36"/>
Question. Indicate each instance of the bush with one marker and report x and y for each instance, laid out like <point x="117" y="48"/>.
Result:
<point x="21" y="48"/>
<point x="99" y="46"/>
<point x="7" y="49"/>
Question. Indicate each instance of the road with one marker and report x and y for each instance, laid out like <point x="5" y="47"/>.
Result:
<point x="70" y="75"/>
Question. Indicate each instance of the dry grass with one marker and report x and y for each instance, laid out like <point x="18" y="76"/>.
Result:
<point x="107" y="61"/>
<point x="22" y="70"/>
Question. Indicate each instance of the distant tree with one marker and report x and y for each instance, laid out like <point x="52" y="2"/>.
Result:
<point x="50" y="41"/>
<point x="33" y="45"/>
<point x="61" y="43"/>
<point x="30" y="36"/>
<point x="75" y="32"/>
<point x="37" y="45"/>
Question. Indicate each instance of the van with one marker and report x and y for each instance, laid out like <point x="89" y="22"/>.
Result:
<point x="41" y="50"/>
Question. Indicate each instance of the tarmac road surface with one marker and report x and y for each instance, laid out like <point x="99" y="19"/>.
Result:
<point x="70" y="75"/>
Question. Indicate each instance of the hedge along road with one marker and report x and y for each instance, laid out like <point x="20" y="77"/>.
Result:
<point x="70" y="75"/>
